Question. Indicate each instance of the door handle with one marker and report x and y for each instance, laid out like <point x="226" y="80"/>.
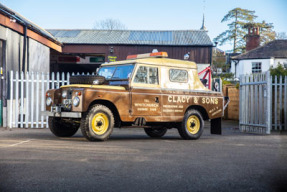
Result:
<point x="156" y="100"/>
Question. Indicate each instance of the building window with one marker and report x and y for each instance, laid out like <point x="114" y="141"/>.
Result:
<point x="256" y="67"/>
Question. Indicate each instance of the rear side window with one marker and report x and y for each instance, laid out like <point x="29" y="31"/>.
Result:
<point x="178" y="75"/>
<point x="146" y="75"/>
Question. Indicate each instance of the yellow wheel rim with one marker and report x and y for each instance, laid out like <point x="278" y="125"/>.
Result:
<point x="193" y="124"/>
<point x="100" y="123"/>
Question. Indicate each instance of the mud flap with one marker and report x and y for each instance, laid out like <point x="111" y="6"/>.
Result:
<point x="215" y="126"/>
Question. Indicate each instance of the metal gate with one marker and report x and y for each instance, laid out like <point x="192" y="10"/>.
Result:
<point x="263" y="103"/>
<point x="27" y="97"/>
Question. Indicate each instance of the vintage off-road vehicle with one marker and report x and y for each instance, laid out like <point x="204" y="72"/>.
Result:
<point x="146" y="90"/>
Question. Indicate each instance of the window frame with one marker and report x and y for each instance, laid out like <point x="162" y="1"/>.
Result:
<point x="169" y="76"/>
<point x="114" y="72"/>
<point x="139" y="84"/>
<point x="256" y="69"/>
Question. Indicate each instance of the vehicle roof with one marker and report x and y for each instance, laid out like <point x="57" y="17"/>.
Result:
<point x="157" y="61"/>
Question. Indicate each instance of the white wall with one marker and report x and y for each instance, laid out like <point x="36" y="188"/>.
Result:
<point x="244" y="67"/>
<point x="281" y="61"/>
<point x="39" y="57"/>
<point x="39" y="54"/>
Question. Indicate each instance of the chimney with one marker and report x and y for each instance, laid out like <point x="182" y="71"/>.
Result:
<point x="252" y="38"/>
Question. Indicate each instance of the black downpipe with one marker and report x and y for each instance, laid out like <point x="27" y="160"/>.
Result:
<point x="235" y="65"/>
<point x="24" y="48"/>
<point x="28" y="54"/>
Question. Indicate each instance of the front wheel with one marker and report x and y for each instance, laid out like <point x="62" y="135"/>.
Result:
<point x="61" y="128"/>
<point x="192" y="125"/>
<point x="155" y="132"/>
<point x="98" y="123"/>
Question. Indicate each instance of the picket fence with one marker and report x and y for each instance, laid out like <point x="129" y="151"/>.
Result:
<point x="263" y="103"/>
<point x="26" y="97"/>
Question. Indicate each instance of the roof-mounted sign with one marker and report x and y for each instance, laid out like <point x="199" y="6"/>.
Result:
<point x="148" y="55"/>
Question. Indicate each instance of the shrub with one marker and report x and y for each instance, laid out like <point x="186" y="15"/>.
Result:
<point x="280" y="70"/>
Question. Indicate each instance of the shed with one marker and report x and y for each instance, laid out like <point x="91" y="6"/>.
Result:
<point x="87" y="47"/>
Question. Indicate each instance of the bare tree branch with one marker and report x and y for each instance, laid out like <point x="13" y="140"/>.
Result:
<point x="109" y="24"/>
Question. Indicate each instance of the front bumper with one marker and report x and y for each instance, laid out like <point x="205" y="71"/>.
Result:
<point x="62" y="114"/>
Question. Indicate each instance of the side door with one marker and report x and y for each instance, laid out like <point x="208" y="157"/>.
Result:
<point x="146" y="92"/>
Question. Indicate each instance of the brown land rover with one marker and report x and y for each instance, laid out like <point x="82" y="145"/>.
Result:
<point x="147" y="90"/>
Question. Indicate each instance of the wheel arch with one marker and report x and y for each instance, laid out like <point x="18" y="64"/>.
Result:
<point x="201" y="109"/>
<point x="111" y="106"/>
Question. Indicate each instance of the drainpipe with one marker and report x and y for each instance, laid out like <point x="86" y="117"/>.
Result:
<point x="24" y="48"/>
<point x="235" y="65"/>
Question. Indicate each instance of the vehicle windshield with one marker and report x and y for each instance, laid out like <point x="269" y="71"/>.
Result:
<point x="116" y="72"/>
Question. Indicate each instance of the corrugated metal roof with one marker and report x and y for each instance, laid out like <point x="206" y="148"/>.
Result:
<point x="181" y="37"/>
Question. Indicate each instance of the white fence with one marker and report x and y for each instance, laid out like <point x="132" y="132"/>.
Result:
<point x="263" y="103"/>
<point x="279" y="103"/>
<point x="26" y="97"/>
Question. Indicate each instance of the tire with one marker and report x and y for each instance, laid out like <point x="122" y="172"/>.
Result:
<point x="61" y="128"/>
<point x="192" y="125"/>
<point x="155" y="132"/>
<point x="86" y="79"/>
<point x="98" y="123"/>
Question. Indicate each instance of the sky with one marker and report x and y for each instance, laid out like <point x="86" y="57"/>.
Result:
<point x="147" y="14"/>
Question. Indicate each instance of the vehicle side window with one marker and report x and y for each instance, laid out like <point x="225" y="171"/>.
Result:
<point x="178" y="75"/>
<point x="146" y="75"/>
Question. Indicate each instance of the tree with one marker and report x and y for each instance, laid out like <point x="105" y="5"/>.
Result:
<point x="236" y="32"/>
<point x="109" y="24"/>
<point x="281" y="35"/>
<point x="280" y="70"/>
<point x="241" y="20"/>
<point x="219" y="59"/>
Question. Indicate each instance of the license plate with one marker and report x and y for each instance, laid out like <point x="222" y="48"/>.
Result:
<point x="67" y="101"/>
<point x="56" y="109"/>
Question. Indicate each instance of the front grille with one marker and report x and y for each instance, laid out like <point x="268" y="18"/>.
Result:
<point x="66" y="105"/>
<point x="69" y="94"/>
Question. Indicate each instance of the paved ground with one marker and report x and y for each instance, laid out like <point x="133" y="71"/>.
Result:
<point x="35" y="160"/>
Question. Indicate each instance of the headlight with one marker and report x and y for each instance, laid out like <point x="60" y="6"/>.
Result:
<point x="76" y="101"/>
<point x="64" y="94"/>
<point x="49" y="101"/>
<point x="96" y="82"/>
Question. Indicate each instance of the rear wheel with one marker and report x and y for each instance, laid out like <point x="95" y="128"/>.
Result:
<point x="155" y="132"/>
<point x="98" y="123"/>
<point x="62" y="128"/>
<point x="192" y="125"/>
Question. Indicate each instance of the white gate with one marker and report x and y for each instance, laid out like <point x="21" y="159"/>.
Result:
<point x="27" y="97"/>
<point x="263" y="106"/>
